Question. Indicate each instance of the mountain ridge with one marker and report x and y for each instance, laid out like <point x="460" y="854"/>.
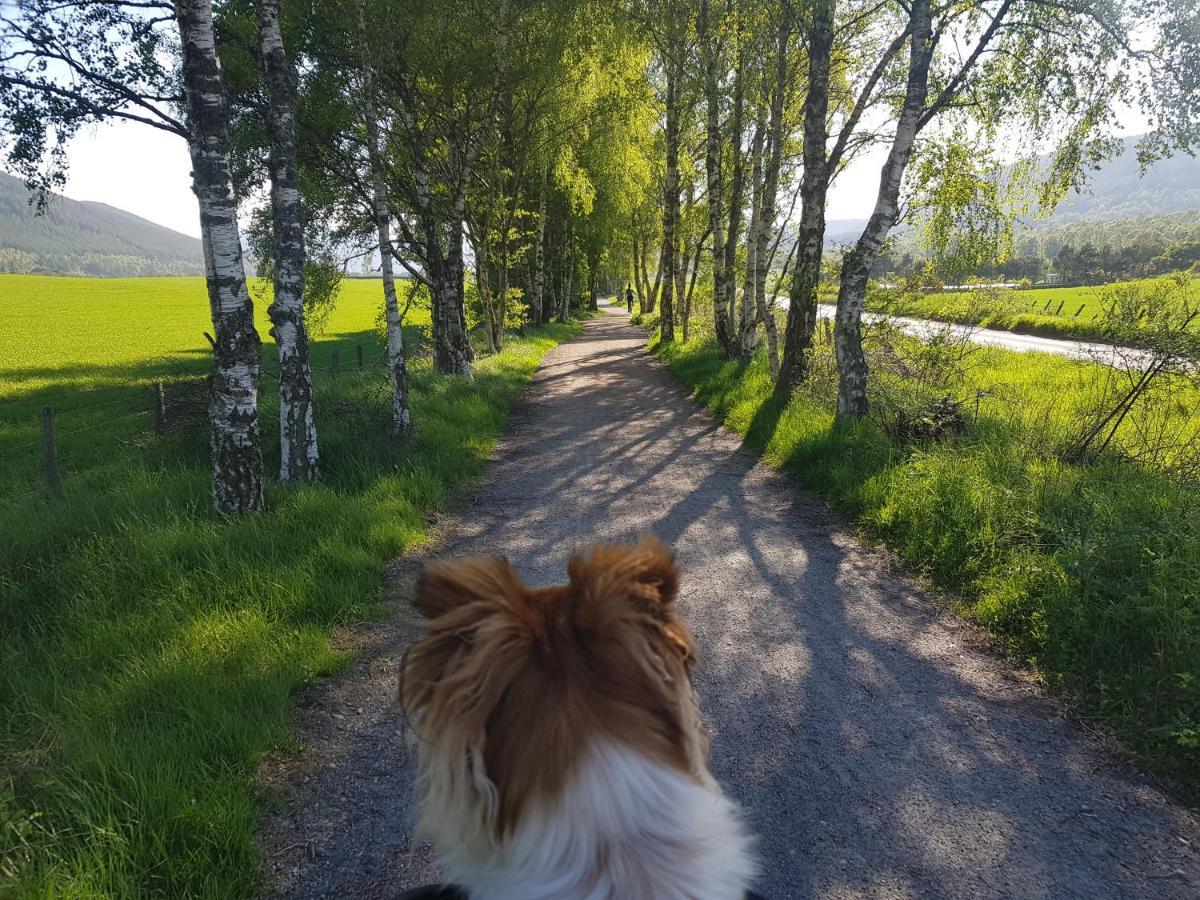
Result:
<point x="87" y="237"/>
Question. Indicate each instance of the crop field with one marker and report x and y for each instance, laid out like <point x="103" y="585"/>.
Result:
<point x="1067" y="312"/>
<point x="148" y="649"/>
<point x="113" y="339"/>
<point x="105" y="324"/>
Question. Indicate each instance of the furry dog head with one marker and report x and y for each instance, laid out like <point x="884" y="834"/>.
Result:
<point x="556" y="723"/>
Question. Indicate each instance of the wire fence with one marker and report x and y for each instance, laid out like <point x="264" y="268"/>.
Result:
<point x="33" y="467"/>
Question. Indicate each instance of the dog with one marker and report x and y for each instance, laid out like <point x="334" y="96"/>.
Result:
<point x="560" y="745"/>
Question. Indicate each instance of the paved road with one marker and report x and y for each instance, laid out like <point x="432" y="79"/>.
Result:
<point x="1009" y="340"/>
<point x="878" y="749"/>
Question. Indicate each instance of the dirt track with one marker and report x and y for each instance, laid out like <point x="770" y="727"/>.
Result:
<point x="877" y="747"/>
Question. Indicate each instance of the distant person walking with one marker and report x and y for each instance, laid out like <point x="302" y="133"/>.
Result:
<point x="629" y="298"/>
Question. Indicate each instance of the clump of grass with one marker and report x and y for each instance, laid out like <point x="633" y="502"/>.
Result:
<point x="1090" y="572"/>
<point x="148" y="650"/>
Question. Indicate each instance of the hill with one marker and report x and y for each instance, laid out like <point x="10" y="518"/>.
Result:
<point x="83" y="238"/>
<point x="1119" y="190"/>
<point x="1114" y="193"/>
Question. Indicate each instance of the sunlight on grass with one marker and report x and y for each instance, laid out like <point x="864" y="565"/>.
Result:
<point x="1065" y="312"/>
<point x="1090" y="572"/>
<point x="148" y="650"/>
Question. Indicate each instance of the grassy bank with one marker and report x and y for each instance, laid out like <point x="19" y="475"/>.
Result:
<point x="1092" y="572"/>
<point x="1067" y="312"/>
<point x="148" y="651"/>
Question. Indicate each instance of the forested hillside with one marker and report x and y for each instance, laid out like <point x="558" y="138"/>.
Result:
<point x="1120" y="190"/>
<point x="1123" y="223"/>
<point x="84" y="238"/>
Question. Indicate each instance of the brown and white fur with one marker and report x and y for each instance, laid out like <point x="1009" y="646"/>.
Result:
<point x="561" y="749"/>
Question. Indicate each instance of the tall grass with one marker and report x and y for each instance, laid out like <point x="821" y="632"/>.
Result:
<point x="148" y="650"/>
<point x="1091" y="573"/>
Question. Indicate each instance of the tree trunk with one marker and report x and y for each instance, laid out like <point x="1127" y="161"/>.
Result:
<point x="593" y="296"/>
<point x="713" y="149"/>
<point x="691" y="287"/>
<point x="652" y="294"/>
<point x="297" y="430"/>
<point x="770" y="189"/>
<point x="539" y="260"/>
<point x="485" y="294"/>
<point x="856" y="265"/>
<point x="564" y="309"/>
<point x="803" y="297"/>
<point x="737" y="184"/>
<point x="748" y="318"/>
<point x="666" y="323"/>
<point x="637" y="275"/>
<point x="397" y="360"/>
<point x="452" y="354"/>
<point x="452" y="346"/>
<point x="237" y="462"/>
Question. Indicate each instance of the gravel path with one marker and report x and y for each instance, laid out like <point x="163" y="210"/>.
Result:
<point x="877" y="747"/>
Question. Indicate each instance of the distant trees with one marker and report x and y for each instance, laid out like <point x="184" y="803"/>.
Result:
<point x="793" y="91"/>
<point x="1091" y="252"/>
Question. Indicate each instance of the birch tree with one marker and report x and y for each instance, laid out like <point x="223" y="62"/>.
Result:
<point x="233" y="392"/>
<point x="297" y="428"/>
<point x="1025" y="69"/>
<point x="64" y="66"/>
<point x="397" y="358"/>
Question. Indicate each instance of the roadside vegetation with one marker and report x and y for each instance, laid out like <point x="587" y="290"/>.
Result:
<point x="1066" y="312"/>
<point x="148" y="648"/>
<point x="1085" y="565"/>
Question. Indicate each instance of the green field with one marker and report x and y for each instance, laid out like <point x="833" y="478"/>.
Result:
<point x="1090" y="572"/>
<point x="113" y="339"/>
<point x="1032" y="311"/>
<point x="148" y="649"/>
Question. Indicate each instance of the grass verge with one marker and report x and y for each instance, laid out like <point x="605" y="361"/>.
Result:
<point x="1092" y="573"/>
<point x="148" y="650"/>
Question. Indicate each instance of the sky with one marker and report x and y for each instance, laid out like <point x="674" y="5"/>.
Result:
<point x="136" y="168"/>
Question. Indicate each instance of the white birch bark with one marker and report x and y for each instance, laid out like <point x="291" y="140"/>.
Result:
<point x="802" y="305"/>
<point x="299" y="458"/>
<point x="666" y="322"/>
<point x="237" y="463"/>
<point x="748" y="313"/>
<point x="856" y="265"/>
<point x="770" y="190"/>
<point x="539" y="259"/>
<point x="713" y="151"/>
<point x="397" y="359"/>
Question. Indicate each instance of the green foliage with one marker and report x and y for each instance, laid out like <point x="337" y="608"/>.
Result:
<point x="148" y="650"/>
<point x="1090" y="572"/>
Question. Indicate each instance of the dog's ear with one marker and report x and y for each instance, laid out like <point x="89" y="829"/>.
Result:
<point x="446" y="586"/>
<point x="646" y="570"/>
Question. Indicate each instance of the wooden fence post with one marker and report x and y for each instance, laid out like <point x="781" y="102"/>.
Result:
<point x="158" y="407"/>
<point x="334" y="362"/>
<point x="1080" y="310"/>
<point x="1058" y="312"/>
<point x="358" y="353"/>
<point x="50" y="455"/>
